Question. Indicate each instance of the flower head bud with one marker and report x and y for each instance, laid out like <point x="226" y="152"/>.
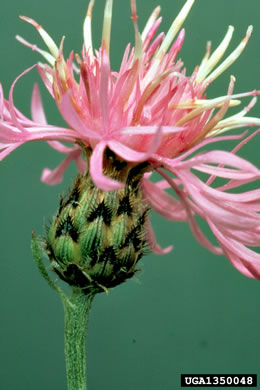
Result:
<point x="97" y="237"/>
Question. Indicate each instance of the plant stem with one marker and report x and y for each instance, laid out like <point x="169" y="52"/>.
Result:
<point x="76" y="309"/>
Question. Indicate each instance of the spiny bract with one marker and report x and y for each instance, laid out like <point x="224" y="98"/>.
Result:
<point x="97" y="237"/>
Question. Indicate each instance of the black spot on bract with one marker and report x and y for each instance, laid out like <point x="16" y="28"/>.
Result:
<point x="135" y="172"/>
<point x="91" y="252"/>
<point x="119" y="165"/>
<point x="101" y="211"/>
<point x="141" y="219"/>
<point x="127" y="260"/>
<point x="60" y="275"/>
<point x="67" y="227"/>
<point x="140" y="255"/>
<point x="125" y="206"/>
<point x="133" y="237"/>
<point x="121" y="278"/>
<point x="108" y="255"/>
<point x="75" y="277"/>
<point x="73" y="197"/>
<point x="135" y="186"/>
<point x="61" y="204"/>
<point x="109" y="154"/>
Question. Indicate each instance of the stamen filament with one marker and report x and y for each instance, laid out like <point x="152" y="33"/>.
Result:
<point x="210" y="63"/>
<point x="138" y="40"/>
<point x="48" y="57"/>
<point x="106" y="33"/>
<point x="174" y="29"/>
<point x="49" y="42"/>
<point x="153" y="17"/>
<point x="87" y="33"/>
<point x="231" y="58"/>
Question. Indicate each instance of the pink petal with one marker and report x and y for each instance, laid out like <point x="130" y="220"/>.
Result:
<point x="51" y="133"/>
<point x="96" y="170"/>
<point x="60" y="147"/>
<point x="11" y="106"/>
<point x="10" y="133"/>
<point x="1" y="100"/>
<point x="244" y="259"/>
<point x="43" y="70"/>
<point x="130" y="154"/>
<point x="7" y="150"/>
<point x="73" y="119"/>
<point x="150" y="130"/>
<point x="81" y="164"/>
<point x="218" y="213"/>
<point x="103" y="92"/>
<point x="235" y="246"/>
<point x="37" y="110"/>
<point x="163" y="203"/>
<point x="204" y="143"/>
<point x="151" y="33"/>
<point x="202" y="239"/>
<point x="55" y="176"/>
<point x="241" y="266"/>
<point x="154" y="46"/>
<point x="152" y="241"/>
<point x="213" y="193"/>
<point x="218" y="157"/>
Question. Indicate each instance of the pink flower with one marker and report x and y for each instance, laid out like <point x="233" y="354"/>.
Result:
<point x="150" y="110"/>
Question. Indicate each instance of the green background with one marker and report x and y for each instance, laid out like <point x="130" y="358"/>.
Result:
<point x="187" y="312"/>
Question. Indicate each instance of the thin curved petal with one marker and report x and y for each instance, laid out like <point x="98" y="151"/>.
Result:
<point x="153" y="243"/>
<point x="130" y="154"/>
<point x="103" y="93"/>
<point x="73" y="119"/>
<point x="11" y="106"/>
<point x="60" y="147"/>
<point x="202" y="239"/>
<point x="163" y="203"/>
<point x="55" y="176"/>
<point x="4" y="151"/>
<point x="96" y="170"/>
<point x="37" y="110"/>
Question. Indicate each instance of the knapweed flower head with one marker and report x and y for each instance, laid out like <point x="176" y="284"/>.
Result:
<point x="153" y="115"/>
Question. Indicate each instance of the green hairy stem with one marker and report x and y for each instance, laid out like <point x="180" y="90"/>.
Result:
<point x="76" y="309"/>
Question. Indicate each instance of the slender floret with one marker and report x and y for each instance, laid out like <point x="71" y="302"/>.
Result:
<point x="152" y="111"/>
